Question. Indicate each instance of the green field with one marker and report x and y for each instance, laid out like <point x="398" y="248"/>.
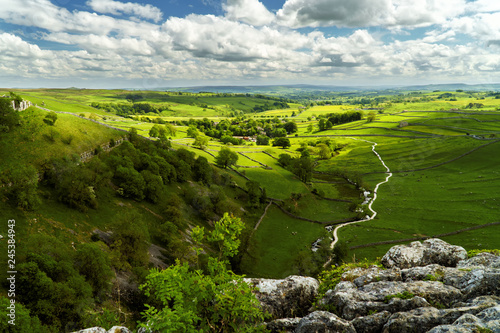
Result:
<point x="444" y="157"/>
<point x="276" y="244"/>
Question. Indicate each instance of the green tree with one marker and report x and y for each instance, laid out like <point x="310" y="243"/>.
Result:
<point x="281" y="142"/>
<point x="130" y="240"/>
<point x="49" y="285"/>
<point x="290" y="127"/>
<point x="133" y="135"/>
<point x="310" y="128"/>
<point x="154" y="132"/>
<point x="201" y="141"/>
<point x="75" y="188"/>
<point x="192" y="131"/>
<point x="153" y="189"/>
<point x="191" y="300"/>
<point x="93" y="263"/>
<point x="262" y="140"/>
<point x="9" y="118"/>
<point x="202" y="170"/>
<point x="170" y="130"/>
<point x="322" y="124"/>
<point x="285" y="160"/>
<point x="372" y="116"/>
<point x="254" y="193"/>
<point x="328" y="125"/>
<point x="303" y="168"/>
<point x="24" y="189"/>
<point x="131" y="182"/>
<point x="226" y="158"/>
<point x="24" y="322"/>
<point x="324" y="151"/>
<point x="279" y="133"/>
<point x="340" y="252"/>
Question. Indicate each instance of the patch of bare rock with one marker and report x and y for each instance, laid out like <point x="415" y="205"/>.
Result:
<point x="423" y="287"/>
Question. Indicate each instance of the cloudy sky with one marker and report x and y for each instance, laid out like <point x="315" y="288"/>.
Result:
<point x="155" y="43"/>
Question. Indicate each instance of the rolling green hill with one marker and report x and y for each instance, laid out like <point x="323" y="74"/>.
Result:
<point x="100" y="176"/>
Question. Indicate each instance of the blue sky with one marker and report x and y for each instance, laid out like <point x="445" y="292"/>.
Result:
<point x="150" y="44"/>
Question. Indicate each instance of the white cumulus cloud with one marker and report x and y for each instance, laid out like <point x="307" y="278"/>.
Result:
<point x="135" y="9"/>
<point x="248" y="11"/>
<point x="366" y="13"/>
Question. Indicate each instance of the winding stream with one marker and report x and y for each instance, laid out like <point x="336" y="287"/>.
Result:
<point x="368" y="218"/>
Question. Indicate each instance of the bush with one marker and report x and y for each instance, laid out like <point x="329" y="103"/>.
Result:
<point x="130" y="239"/>
<point x="24" y="322"/>
<point x="217" y="300"/>
<point x="24" y="189"/>
<point x="67" y="139"/>
<point x="50" y="119"/>
<point x="93" y="263"/>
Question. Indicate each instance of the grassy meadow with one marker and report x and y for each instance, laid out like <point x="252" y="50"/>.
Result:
<point x="444" y="157"/>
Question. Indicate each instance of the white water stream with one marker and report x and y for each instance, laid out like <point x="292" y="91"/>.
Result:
<point x="368" y="218"/>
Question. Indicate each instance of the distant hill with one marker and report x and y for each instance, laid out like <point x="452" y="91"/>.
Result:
<point x="307" y="89"/>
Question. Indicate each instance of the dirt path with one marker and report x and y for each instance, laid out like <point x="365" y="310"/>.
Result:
<point x="262" y="217"/>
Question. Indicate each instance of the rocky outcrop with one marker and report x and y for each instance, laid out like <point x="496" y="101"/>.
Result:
<point x="424" y="287"/>
<point x="322" y="321"/>
<point x="431" y="251"/>
<point x="114" y="329"/>
<point x="291" y="297"/>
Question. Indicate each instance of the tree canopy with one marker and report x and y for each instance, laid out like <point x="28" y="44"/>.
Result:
<point x="226" y="158"/>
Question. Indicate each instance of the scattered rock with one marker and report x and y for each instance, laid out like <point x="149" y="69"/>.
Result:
<point x="322" y="321"/>
<point x="284" y="325"/>
<point x="372" y="323"/>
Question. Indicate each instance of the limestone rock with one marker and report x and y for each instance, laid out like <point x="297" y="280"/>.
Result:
<point x="114" y="329"/>
<point x="478" y="282"/>
<point x="482" y="260"/>
<point x="284" y="325"/>
<point x="487" y="319"/>
<point x="119" y="329"/>
<point x="427" y="318"/>
<point x="432" y="272"/>
<point x="286" y="298"/>
<point x="372" y="323"/>
<point x="324" y="322"/>
<point x="351" y="302"/>
<point x="92" y="330"/>
<point x="431" y="251"/>
<point x="363" y="276"/>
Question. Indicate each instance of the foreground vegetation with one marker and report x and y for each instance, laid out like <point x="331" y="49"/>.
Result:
<point x="96" y="207"/>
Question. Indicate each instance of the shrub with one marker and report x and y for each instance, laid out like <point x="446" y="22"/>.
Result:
<point x="330" y="278"/>
<point x="67" y="139"/>
<point x="473" y="253"/>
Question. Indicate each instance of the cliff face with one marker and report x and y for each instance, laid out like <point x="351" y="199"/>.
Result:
<point x="423" y="287"/>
